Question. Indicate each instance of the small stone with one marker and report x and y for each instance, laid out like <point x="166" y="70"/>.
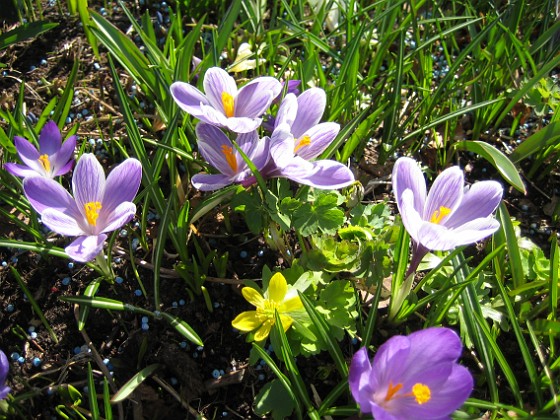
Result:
<point x="66" y="281"/>
<point x="215" y="373"/>
<point x="36" y="362"/>
<point x="243" y="254"/>
<point x="145" y="319"/>
<point x="70" y="265"/>
<point x="119" y="280"/>
<point x="138" y="292"/>
<point x="173" y="381"/>
<point x="15" y="356"/>
<point x="182" y="302"/>
<point x="21" y="360"/>
<point x="145" y="327"/>
<point x="10" y="307"/>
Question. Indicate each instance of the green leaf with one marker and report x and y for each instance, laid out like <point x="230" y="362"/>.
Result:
<point x="133" y="383"/>
<point x="96" y="302"/>
<point x="537" y="142"/>
<point x="500" y="161"/>
<point x="322" y="215"/>
<point x="183" y="328"/>
<point x="273" y="398"/>
<point x="23" y="32"/>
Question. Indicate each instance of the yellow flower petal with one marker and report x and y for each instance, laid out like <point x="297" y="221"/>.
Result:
<point x="253" y="297"/>
<point x="291" y="305"/>
<point x="246" y="321"/>
<point x="277" y="288"/>
<point x="264" y="330"/>
<point x="286" y="321"/>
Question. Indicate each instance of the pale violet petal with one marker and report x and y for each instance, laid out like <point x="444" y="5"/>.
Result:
<point x="311" y="106"/>
<point x="50" y="139"/>
<point x="121" y="215"/>
<point x="210" y="182"/>
<point x="122" y="185"/>
<point x="212" y="145"/>
<point x="282" y="146"/>
<point x="21" y="170"/>
<point x="88" y="181"/>
<point x="29" y="155"/>
<point x="327" y="174"/>
<point x="63" y="160"/>
<point x="476" y="230"/>
<point x="86" y="248"/>
<point x="408" y="176"/>
<point x="44" y="193"/>
<point x="62" y="223"/>
<point x="243" y="124"/>
<point x="437" y="237"/>
<point x="188" y="98"/>
<point x="216" y="82"/>
<point x="480" y="200"/>
<point x="446" y="192"/>
<point x="412" y="220"/>
<point x="320" y="136"/>
<point x="287" y="111"/>
<point x="255" y="97"/>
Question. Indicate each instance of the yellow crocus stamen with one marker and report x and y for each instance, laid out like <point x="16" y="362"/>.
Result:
<point x="438" y="215"/>
<point x="44" y="160"/>
<point x="228" y="103"/>
<point x="304" y="141"/>
<point x="92" y="211"/>
<point x="230" y="157"/>
<point x="422" y="393"/>
<point x="392" y="390"/>
<point x="266" y="311"/>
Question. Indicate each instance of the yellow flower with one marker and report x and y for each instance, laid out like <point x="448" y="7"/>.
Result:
<point x="275" y="298"/>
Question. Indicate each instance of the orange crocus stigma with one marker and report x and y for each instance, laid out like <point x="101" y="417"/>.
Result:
<point x="304" y="141"/>
<point x="422" y="393"/>
<point x="228" y="103"/>
<point x="44" y="160"/>
<point x="92" y="212"/>
<point x="230" y="157"/>
<point x="438" y="215"/>
<point x="392" y="390"/>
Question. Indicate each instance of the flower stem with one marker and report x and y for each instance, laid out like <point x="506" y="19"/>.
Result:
<point x="102" y="263"/>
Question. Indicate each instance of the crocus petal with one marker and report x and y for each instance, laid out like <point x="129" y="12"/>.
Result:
<point x="277" y="288"/>
<point x="4" y="391"/>
<point x="246" y="321"/>
<point x="28" y="154"/>
<point x="61" y="223"/>
<point x="311" y="106"/>
<point x="256" y="149"/>
<point x="85" y="248"/>
<point x="253" y="297"/>
<point x="88" y="181"/>
<point x="256" y="96"/>
<point x="212" y="143"/>
<point x="217" y="81"/>
<point x="455" y="391"/>
<point x="282" y="146"/>
<point x="411" y="218"/>
<point x="408" y="176"/>
<point x="320" y="137"/>
<point x="50" y="139"/>
<point x="389" y="363"/>
<point x="122" y="185"/>
<point x="480" y="200"/>
<point x="45" y="193"/>
<point x="62" y="161"/>
<point x="20" y="170"/>
<point x="327" y="174"/>
<point x="358" y="378"/>
<point x="287" y="111"/>
<point x="446" y="191"/>
<point x="436" y="345"/>
<point x="210" y="182"/>
<point x="4" y="367"/>
<point x="439" y="238"/>
<point x="242" y="124"/>
<point x="121" y="215"/>
<point x="188" y="98"/>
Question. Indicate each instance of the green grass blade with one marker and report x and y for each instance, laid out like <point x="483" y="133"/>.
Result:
<point x="508" y="232"/>
<point x="323" y="330"/>
<point x="133" y="383"/>
<point x="92" y="394"/>
<point x="25" y="31"/>
<point x="281" y="377"/>
<point x="498" y="160"/>
<point x="183" y="328"/>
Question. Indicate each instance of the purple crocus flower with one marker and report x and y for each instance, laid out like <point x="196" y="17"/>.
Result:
<point x="412" y="377"/>
<point x="286" y="162"/>
<point x="223" y="104"/>
<point x="302" y="114"/>
<point x="53" y="158"/>
<point x="4" y="369"/>
<point x="220" y="152"/>
<point x="447" y="217"/>
<point x="98" y="206"/>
